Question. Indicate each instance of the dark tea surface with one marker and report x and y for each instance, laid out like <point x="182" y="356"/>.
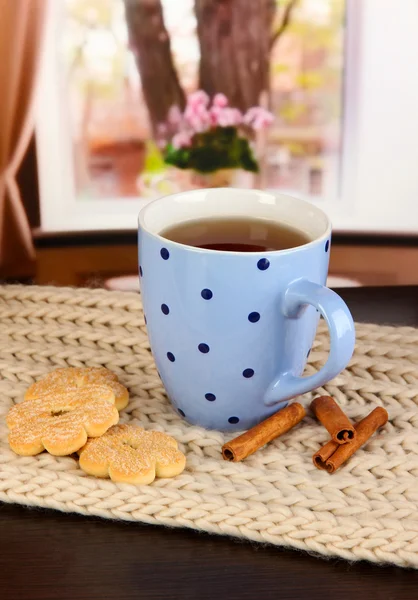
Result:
<point x="236" y="234"/>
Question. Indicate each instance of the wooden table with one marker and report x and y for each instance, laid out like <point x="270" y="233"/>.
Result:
<point x="48" y="555"/>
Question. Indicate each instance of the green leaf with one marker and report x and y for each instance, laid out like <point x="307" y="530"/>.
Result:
<point x="218" y="148"/>
<point x="178" y="157"/>
<point x="248" y="161"/>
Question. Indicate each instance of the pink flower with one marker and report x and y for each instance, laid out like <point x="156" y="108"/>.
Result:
<point x="214" y="113"/>
<point x="174" y="115"/>
<point x="199" y="98"/>
<point x="229" y="117"/>
<point x="237" y="116"/>
<point x="258" y="118"/>
<point x="200" y="123"/>
<point x="263" y="122"/>
<point x="182" y="140"/>
<point x="197" y="117"/>
<point x="220" y="100"/>
<point x="250" y="115"/>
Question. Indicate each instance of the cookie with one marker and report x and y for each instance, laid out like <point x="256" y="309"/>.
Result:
<point x="61" y="421"/>
<point x="129" y="454"/>
<point x="79" y="377"/>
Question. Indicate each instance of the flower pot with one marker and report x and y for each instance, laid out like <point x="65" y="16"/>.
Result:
<point x="222" y="178"/>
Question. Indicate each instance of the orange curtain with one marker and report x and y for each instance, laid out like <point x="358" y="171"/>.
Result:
<point x="21" y="25"/>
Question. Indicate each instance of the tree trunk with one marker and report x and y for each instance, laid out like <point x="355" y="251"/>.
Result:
<point x="235" y="42"/>
<point x="150" y="42"/>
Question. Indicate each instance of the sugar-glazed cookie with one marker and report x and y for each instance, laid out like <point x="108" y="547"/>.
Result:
<point x="79" y="377"/>
<point x="129" y="454"/>
<point x="61" y="422"/>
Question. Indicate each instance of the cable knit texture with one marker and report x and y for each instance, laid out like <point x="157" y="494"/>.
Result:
<point x="367" y="510"/>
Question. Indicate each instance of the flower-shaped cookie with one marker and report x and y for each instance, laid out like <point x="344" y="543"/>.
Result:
<point x="61" y="421"/>
<point x="78" y="377"/>
<point x="129" y="454"/>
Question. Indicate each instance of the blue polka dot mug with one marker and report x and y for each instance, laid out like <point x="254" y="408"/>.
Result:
<point x="231" y="332"/>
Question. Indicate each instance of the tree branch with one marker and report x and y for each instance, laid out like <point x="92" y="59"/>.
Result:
<point x="285" y="22"/>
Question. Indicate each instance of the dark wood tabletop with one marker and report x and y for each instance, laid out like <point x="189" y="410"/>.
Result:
<point x="47" y="555"/>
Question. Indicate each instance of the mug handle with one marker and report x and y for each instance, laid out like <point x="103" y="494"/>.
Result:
<point x="342" y="338"/>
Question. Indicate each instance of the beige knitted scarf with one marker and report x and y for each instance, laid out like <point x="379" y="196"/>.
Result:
<point x="367" y="510"/>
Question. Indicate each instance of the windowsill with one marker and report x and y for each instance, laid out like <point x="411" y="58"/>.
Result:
<point x="60" y="239"/>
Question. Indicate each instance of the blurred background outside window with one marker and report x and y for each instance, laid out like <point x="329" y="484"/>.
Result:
<point x="122" y="80"/>
<point x="341" y="92"/>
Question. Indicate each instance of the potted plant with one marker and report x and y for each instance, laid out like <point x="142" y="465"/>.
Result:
<point x="211" y="139"/>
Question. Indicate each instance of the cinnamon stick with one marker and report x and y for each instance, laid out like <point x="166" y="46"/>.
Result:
<point x="266" y="431"/>
<point x="324" y="453"/>
<point x="333" y="419"/>
<point x="331" y="456"/>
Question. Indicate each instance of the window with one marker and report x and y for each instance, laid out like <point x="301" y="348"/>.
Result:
<point x="342" y="97"/>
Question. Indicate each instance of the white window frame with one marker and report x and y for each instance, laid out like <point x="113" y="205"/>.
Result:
<point x="379" y="170"/>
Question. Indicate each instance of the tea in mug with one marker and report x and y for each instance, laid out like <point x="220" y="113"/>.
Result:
<point x="236" y="234"/>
